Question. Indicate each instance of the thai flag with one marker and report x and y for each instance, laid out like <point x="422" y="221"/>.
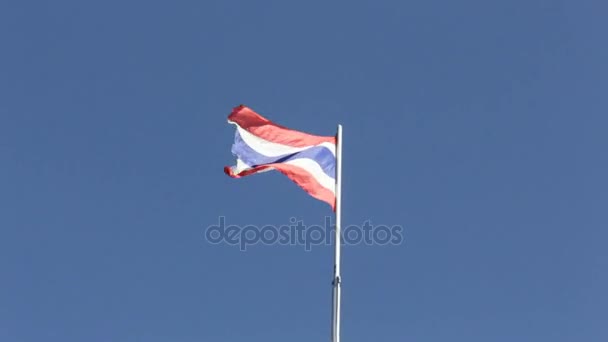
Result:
<point x="261" y="145"/>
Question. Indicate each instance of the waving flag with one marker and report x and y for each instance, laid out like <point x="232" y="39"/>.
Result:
<point x="261" y="145"/>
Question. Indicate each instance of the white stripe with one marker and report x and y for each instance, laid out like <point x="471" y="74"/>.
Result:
<point x="316" y="172"/>
<point x="308" y="165"/>
<point x="242" y="166"/>
<point x="272" y="149"/>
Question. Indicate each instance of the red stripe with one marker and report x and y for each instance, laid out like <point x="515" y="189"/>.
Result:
<point x="297" y="174"/>
<point x="258" y="125"/>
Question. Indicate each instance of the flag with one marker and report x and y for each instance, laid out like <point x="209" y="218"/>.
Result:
<point x="261" y="145"/>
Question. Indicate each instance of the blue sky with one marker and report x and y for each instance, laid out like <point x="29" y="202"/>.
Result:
<point x="479" y="126"/>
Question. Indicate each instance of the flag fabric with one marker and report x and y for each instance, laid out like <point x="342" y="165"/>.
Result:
<point x="261" y="145"/>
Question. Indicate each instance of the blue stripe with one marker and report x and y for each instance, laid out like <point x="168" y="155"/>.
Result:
<point x="320" y="154"/>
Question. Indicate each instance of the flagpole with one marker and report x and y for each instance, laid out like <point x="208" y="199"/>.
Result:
<point x="337" y="280"/>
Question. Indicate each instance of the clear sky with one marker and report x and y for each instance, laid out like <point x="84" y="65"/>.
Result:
<point x="479" y="126"/>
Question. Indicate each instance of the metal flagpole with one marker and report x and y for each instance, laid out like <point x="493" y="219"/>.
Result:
<point x="337" y="280"/>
